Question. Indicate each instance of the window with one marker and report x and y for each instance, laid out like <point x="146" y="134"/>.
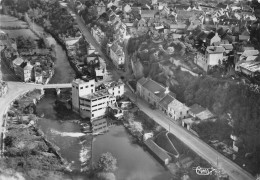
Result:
<point x="81" y="87"/>
<point x="92" y="90"/>
<point x="86" y="86"/>
<point x="92" y="85"/>
<point x="77" y="88"/>
<point x="118" y="92"/>
<point x="92" y="115"/>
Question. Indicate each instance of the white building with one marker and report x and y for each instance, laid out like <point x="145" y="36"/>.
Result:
<point x="211" y="57"/>
<point x="116" y="89"/>
<point x="81" y="88"/>
<point x="90" y="101"/>
<point x="117" y="55"/>
<point x="98" y="34"/>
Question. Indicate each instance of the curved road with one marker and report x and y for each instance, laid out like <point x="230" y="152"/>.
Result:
<point x="16" y="89"/>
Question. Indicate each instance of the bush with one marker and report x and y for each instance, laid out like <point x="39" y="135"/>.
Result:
<point x="9" y="140"/>
<point x="106" y="163"/>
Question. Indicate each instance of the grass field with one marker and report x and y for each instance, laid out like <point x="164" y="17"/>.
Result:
<point x="10" y="21"/>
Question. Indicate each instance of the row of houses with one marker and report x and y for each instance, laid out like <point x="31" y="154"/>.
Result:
<point x="165" y="100"/>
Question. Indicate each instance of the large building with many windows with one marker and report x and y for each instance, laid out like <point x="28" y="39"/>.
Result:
<point x="90" y="101"/>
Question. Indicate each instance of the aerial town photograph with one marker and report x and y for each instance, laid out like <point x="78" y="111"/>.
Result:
<point x="130" y="89"/>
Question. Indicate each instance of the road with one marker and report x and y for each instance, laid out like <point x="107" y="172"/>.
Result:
<point x="234" y="171"/>
<point x="15" y="89"/>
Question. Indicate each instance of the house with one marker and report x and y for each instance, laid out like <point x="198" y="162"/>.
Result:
<point x="38" y="77"/>
<point x="146" y="14"/>
<point x="17" y="63"/>
<point x="228" y="47"/>
<point x="141" y="23"/>
<point x="200" y="113"/>
<point x="24" y="71"/>
<point x="127" y="8"/>
<point x="209" y="58"/>
<point x="165" y="11"/>
<point x="173" y="108"/>
<point x="98" y="34"/>
<point x="117" y="55"/>
<point x="250" y="68"/>
<point x="99" y="125"/>
<point x="151" y="91"/>
<point x="213" y="38"/>
<point x="117" y="89"/>
<point x="249" y="54"/>
<point x="197" y="115"/>
<point x="101" y="8"/>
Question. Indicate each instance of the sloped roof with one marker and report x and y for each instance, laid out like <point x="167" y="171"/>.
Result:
<point x="157" y="150"/>
<point x="178" y="106"/>
<point x="148" y="13"/>
<point x="204" y="115"/>
<point x="227" y="46"/>
<point x="166" y="101"/>
<point x="247" y="53"/>
<point x="142" y="80"/>
<point x="18" y="61"/>
<point x="154" y="87"/>
<point x="196" y="109"/>
<point x="251" y="58"/>
<point x="243" y="37"/>
<point x="215" y="49"/>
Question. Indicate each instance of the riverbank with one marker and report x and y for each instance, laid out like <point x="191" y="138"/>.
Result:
<point x="27" y="150"/>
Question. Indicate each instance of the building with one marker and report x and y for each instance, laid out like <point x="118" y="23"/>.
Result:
<point x="173" y="108"/>
<point x="101" y="8"/>
<point x="17" y="63"/>
<point x="209" y="58"/>
<point x="89" y="101"/>
<point x="94" y="105"/>
<point x="151" y="91"/>
<point x="146" y="14"/>
<point x="197" y="114"/>
<point x="117" y="55"/>
<point x="99" y="126"/>
<point x="213" y="38"/>
<point x="98" y="34"/>
<point x="3" y="88"/>
<point x="117" y="89"/>
<point x="158" y="151"/>
<point x="200" y="113"/>
<point x="24" y="71"/>
<point x="72" y="42"/>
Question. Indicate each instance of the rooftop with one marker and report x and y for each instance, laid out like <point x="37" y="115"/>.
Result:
<point x="204" y="115"/>
<point x="196" y="109"/>
<point x="97" y="94"/>
<point x="154" y="87"/>
<point x="252" y="66"/>
<point x="215" y="49"/>
<point x="178" y="106"/>
<point x="166" y="101"/>
<point x="157" y="150"/>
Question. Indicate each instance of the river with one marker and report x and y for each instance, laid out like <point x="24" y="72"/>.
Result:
<point x="133" y="162"/>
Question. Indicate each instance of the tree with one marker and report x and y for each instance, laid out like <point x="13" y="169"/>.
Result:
<point x="106" y="163"/>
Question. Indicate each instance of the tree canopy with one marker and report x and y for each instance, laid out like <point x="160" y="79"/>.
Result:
<point x="106" y="163"/>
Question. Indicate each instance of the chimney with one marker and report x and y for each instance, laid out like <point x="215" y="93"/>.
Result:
<point x="166" y="90"/>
